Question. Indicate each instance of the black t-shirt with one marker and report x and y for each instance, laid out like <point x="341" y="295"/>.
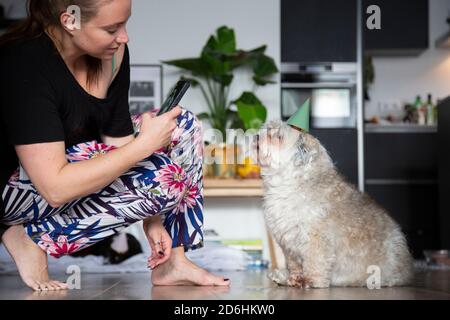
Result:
<point x="41" y="101"/>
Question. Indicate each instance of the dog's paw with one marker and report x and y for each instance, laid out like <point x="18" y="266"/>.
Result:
<point x="279" y="276"/>
<point x="299" y="281"/>
<point x="320" y="283"/>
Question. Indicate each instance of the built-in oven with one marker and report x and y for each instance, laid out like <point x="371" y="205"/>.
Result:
<point x="331" y="88"/>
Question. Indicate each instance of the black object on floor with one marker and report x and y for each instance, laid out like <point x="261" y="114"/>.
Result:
<point x="103" y="248"/>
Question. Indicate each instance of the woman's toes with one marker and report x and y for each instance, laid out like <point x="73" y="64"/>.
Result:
<point x="35" y="286"/>
<point x="46" y="286"/>
<point x="63" y="285"/>
<point x="212" y="280"/>
<point x="49" y="286"/>
<point x="42" y="286"/>
<point x="223" y="282"/>
<point x="58" y="285"/>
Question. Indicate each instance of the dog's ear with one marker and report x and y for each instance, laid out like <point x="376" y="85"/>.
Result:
<point x="301" y="152"/>
<point x="305" y="149"/>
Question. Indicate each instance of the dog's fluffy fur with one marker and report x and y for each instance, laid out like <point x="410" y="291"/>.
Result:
<point x="330" y="233"/>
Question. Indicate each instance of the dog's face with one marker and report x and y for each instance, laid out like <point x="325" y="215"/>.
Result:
<point x="280" y="146"/>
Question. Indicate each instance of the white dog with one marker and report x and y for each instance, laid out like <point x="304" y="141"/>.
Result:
<point x="329" y="232"/>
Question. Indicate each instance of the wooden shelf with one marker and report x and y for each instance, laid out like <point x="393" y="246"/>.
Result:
<point x="232" y="187"/>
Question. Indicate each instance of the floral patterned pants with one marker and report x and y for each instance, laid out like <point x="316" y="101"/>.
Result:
<point x="167" y="183"/>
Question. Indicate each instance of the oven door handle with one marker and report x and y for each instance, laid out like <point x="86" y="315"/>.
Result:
<point x="317" y="85"/>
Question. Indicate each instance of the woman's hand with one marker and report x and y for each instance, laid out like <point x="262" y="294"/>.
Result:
<point x="159" y="240"/>
<point x="156" y="131"/>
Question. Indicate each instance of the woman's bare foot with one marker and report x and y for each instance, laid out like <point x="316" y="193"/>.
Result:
<point x="31" y="261"/>
<point x="179" y="270"/>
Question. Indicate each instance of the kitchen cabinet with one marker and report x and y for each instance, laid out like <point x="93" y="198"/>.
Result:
<point x="404" y="27"/>
<point x="415" y="208"/>
<point x="401" y="175"/>
<point x="318" y="30"/>
<point x="443" y="141"/>
<point x="401" y="156"/>
<point x="342" y="147"/>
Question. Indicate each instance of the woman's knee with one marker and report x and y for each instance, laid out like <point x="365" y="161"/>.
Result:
<point x="188" y="119"/>
<point x="185" y="120"/>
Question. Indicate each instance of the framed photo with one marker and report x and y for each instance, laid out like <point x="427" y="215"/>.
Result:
<point x="145" y="87"/>
<point x="11" y="12"/>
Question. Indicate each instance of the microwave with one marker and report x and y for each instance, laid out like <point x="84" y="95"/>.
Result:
<point x="331" y="89"/>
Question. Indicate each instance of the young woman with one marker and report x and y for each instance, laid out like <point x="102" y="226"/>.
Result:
<point x="78" y="167"/>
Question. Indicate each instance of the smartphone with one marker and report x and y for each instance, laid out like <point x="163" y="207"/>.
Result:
<point x="175" y="96"/>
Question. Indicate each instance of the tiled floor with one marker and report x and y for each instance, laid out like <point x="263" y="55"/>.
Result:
<point x="246" y="285"/>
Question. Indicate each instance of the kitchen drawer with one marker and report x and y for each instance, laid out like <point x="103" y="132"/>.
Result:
<point x="401" y="156"/>
<point x="414" y="208"/>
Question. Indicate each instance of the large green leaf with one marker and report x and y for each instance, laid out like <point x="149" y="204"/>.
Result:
<point x="242" y="57"/>
<point x="217" y="54"/>
<point x="262" y="82"/>
<point x="227" y="40"/>
<point x="264" y="66"/>
<point x="196" y="65"/>
<point x="224" y="79"/>
<point x="251" y="110"/>
<point x="215" y="65"/>
<point x="223" y="43"/>
<point x="218" y="64"/>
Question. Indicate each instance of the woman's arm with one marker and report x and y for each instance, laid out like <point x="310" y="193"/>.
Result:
<point x="60" y="182"/>
<point x="118" y="142"/>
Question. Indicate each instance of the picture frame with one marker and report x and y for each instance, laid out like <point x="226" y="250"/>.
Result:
<point x="145" y="87"/>
<point x="11" y="13"/>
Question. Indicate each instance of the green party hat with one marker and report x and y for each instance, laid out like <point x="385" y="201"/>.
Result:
<point x="300" y="119"/>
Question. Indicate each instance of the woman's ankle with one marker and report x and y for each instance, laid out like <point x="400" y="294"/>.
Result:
<point x="178" y="255"/>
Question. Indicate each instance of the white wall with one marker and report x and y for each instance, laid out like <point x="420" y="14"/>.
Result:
<point x="172" y="29"/>
<point x="402" y="78"/>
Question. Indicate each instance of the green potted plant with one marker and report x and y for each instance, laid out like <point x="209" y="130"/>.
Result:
<point x="213" y="72"/>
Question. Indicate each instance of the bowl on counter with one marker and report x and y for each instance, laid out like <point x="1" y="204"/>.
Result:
<point x="437" y="257"/>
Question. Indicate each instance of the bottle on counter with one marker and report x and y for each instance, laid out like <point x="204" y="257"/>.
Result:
<point x="422" y="116"/>
<point x="430" y="111"/>
<point x="419" y="110"/>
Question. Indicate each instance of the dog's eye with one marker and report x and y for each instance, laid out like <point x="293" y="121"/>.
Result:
<point x="278" y="135"/>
